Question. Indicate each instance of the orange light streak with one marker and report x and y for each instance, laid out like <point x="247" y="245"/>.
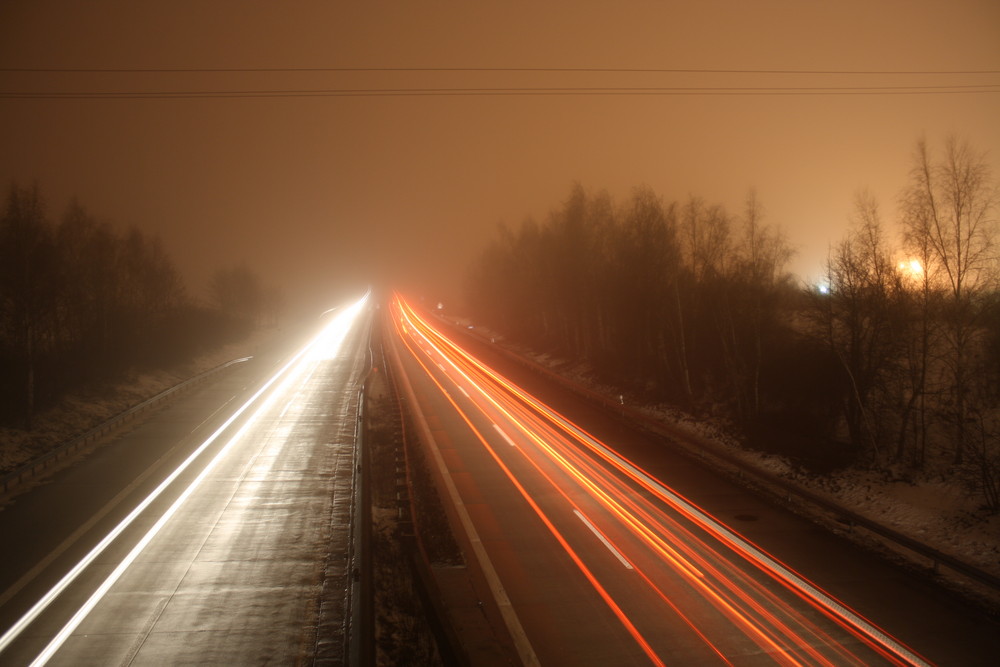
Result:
<point x="666" y="552"/>
<point x="629" y="626"/>
<point x="615" y="484"/>
<point x="760" y="635"/>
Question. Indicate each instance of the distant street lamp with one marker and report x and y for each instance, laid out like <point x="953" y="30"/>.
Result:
<point x="912" y="267"/>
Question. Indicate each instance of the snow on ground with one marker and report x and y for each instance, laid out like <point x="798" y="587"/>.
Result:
<point x="934" y="509"/>
<point x="83" y="410"/>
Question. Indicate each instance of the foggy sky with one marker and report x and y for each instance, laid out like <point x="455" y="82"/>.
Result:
<point x="323" y="194"/>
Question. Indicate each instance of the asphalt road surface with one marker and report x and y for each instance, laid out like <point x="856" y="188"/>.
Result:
<point x="214" y="532"/>
<point x="627" y="553"/>
<point x="217" y="531"/>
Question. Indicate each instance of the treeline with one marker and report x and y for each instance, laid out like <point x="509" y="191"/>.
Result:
<point x="682" y="300"/>
<point x="687" y="302"/>
<point x="83" y="302"/>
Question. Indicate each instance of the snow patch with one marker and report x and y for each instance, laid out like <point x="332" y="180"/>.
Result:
<point x="77" y="413"/>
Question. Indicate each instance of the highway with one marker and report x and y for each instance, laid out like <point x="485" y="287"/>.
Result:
<point x="588" y="558"/>
<point x="215" y="532"/>
<point x="218" y="531"/>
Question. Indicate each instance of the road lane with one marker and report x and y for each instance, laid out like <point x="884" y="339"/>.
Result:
<point x="942" y="626"/>
<point x="567" y="618"/>
<point x="534" y="578"/>
<point x="693" y="589"/>
<point x="236" y="553"/>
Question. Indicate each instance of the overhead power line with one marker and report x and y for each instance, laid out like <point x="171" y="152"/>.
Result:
<point x="500" y="92"/>
<point x="189" y="91"/>
<point x="181" y="70"/>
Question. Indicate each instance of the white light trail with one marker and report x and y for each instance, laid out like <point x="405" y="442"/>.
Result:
<point x="326" y="342"/>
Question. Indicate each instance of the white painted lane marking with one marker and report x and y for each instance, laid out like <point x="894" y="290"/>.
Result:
<point x="521" y="642"/>
<point x="603" y="539"/>
<point x="505" y="436"/>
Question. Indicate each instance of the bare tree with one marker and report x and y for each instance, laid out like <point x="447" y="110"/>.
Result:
<point x="643" y="268"/>
<point x="749" y="311"/>
<point x="28" y="291"/>
<point x="89" y="273"/>
<point x="859" y="322"/>
<point x="80" y="301"/>
<point x="917" y="276"/>
<point x="706" y="238"/>
<point x="949" y="214"/>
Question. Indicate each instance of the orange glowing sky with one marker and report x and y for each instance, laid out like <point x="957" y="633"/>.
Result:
<point x="322" y="194"/>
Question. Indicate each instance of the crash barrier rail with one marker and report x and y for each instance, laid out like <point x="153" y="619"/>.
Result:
<point x="763" y="480"/>
<point x="424" y="580"/>
<point x="42" y="462"/>
<point x="359" y="642"/>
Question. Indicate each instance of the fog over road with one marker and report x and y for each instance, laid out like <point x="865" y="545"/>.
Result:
<point x="228" y="563"/>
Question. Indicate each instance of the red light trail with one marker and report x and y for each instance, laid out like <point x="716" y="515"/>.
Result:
<point x="661" y="539"/>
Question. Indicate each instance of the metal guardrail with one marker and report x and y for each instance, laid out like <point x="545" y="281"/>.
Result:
<point x="33" y="467"/>
<point x="425" y="582"/>
<point x="359" y="641"/>
<point x="762" y="479"/>
<point x="788" y="490"/>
